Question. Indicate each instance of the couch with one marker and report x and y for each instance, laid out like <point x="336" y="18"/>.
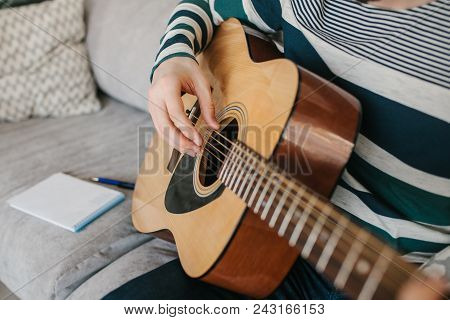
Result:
<point x="42" y="261"/>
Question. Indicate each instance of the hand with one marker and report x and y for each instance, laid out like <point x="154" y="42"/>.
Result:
<point x="173" y="76"/>
<point x="428" y="289"/>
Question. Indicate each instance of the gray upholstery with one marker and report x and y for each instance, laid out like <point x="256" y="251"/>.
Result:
<point x="42" y="261"/>
<point x="39" y="260"/>
<point x="147" y="257"/>
<point x="123" y="39"/>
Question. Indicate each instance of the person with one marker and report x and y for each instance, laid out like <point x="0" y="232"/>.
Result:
<point x="390" y="54"/>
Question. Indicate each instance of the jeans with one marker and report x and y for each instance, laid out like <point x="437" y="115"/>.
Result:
<point x="170" y="282"/>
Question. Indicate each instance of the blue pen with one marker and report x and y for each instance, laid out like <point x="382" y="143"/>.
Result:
<point x="121" y="184"/>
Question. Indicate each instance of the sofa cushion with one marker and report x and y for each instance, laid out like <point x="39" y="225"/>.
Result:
<point x="122" y="40"/>
<point x="39" y="260"/>
<point x="44" y="69"/>
<point x="135" y="263"/>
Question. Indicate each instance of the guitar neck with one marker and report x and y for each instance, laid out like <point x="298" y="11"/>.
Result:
<point x="351" y="258"/>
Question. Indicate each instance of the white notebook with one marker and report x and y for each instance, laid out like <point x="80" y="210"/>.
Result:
<point x="66" y="201"/>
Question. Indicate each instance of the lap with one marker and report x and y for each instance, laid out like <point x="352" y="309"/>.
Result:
<point x="170" y="282"/>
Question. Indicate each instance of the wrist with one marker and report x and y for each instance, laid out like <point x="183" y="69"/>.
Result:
<point x="171" y="57"/>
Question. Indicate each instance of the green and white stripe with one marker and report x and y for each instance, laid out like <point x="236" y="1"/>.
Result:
<point x="208" y="13"/>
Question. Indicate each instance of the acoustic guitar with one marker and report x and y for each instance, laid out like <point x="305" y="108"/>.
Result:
<point x="255" y="199"/>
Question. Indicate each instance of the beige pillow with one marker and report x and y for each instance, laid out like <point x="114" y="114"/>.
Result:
<point x="44" y="69"/>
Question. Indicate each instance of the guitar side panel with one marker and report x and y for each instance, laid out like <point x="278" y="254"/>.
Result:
<point x="320" y="134"/>
<point x="255" y="261"/>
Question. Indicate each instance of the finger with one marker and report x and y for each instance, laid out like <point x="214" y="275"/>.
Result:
<point x="175" y="108"/>
<point x="178" y="141"/>
<point x="203" y="93"/>
<point x="174" y="136"/>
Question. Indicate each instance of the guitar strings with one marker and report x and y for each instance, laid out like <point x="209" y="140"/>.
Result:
<point x="308" y="222"/>
<point x="248" y="166"/>
<point x="327" y="218"/>
<point x="314" y="209"/>
<point x="269" y="180"/>
<point x="271" y="183"/>
<point x="394" y="280"/>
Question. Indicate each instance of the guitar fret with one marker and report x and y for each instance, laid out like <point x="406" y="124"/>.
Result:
<point x="236" y="168"/>
<point x="226" y="166"/>
<point x="258" y="184"/>
<point x="270" y="200"/>
<point x="251" y="177"/>
<point x="247" y="175"/>
<point x="242" y="168"/>
<point x="373" y="280"/>
<point x="224" y="169"/>
<point x="234" y="165"/>
<point x="263" y="193"/>
<point x="350" y="260"/>
<point x="250" y="183"/>
<point x="229" y="164"/>
<point x="280" y="206"/>
<point x="307" y="222"/>
<point x="239" y="178"/>
<point x="331" y="244"/>
<point x="301" y="223"/>
<point x="292" y="208"/>
<point x="312" y="238"/>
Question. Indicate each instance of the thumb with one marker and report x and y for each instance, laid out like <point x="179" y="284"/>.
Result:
<point x="203" y="92"/>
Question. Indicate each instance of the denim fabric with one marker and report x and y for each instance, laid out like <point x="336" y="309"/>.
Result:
<point x="170" y="282"/>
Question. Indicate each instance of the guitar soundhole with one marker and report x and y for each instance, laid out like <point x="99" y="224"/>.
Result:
<point x="215" y="151"/>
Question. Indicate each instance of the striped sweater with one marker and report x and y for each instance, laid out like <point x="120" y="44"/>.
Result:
<point x="396" y="62"/>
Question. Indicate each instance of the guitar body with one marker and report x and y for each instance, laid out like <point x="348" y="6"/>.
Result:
<point x="304" y="124"/>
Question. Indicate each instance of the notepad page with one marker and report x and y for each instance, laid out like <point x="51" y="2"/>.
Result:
<point x="64" y="200"/>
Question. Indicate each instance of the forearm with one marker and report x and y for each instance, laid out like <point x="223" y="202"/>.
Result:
<point x="192" y="24"/>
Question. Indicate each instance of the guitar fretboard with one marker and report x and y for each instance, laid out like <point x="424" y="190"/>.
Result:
<point x="350" y="257"/>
